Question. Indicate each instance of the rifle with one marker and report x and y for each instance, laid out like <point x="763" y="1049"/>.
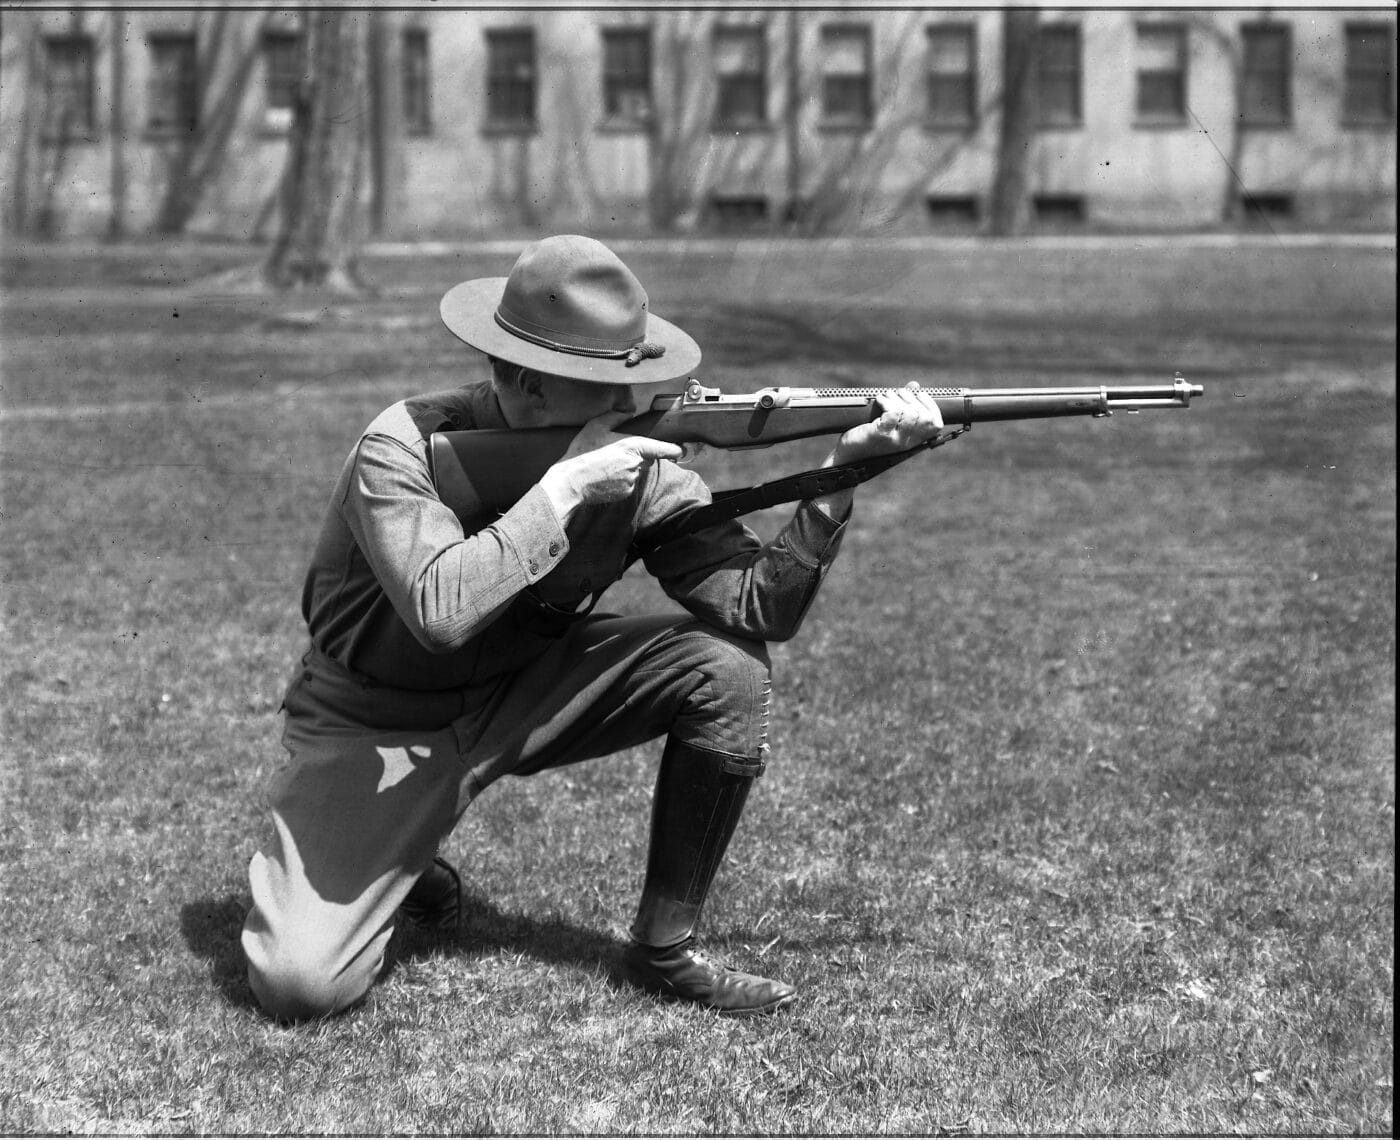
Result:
<point x="489" y="470"/>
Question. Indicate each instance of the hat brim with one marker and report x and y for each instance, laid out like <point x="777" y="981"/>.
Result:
<point x="469" y="312"/>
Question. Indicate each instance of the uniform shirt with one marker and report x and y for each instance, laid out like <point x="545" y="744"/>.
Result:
<point x="401" y="591"/>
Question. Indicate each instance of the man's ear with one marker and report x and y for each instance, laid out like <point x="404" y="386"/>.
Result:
<point x="531" y="386"/>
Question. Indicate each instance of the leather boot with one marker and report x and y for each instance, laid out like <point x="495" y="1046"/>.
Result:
<point x="699" y="798"/>
<point x="434" y="902"/>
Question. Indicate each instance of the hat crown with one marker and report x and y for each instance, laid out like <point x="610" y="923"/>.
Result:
<point x="572" y="292"/>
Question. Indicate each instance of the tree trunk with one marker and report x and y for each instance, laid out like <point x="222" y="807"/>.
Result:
<point x="116" y="226"/>
<point x="1010" y="207"/>
<point x="201" y="154"/>
<point x="387" y="126"/>
<point x="322" y="219"/>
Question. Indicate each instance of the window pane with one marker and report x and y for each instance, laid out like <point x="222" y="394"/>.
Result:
<point x="1159" y="49"/>
<point x="739" y="66"/>
<point x="844" y="97"/>
<point x="950" y="99"/>
<point x="627" y="53"/>
<point x="1159" y="95"/>
<point x="1266" y="76"/>
<point x="740" y="100"/>
<point x="510" y="79"/>
<point x="844" y="51"/>
<point x="1369" y="95"/>
<point x="1058" y="49"/>
<point x="282" y="63"/>
<point x="416" y="105"/>
<point x="738" y="50"/>
<point x="171" y="94"/>
<point x="949" y="51"/>
<point x="1265" y="49"/>
<point x="68" y="84"/>
<point x="1368" y="48"/>
<point x="1059" y="101"/>
<point x="627" y="74"/>
<point x="1161" y="72"/>
<point x="1264" y="100"/>
<point x="512" y="54"/>
<point x="1057" y="75"/>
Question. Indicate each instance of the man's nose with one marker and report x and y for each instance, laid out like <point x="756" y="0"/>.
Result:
<point x="624" y="400"/>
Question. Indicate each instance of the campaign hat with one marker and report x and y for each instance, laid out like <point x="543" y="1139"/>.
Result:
<point x="570" y="307"/>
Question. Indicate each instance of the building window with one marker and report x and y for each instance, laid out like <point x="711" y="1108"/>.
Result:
<point x="952" y="76"/>
<point x="172" y="95"/>
<point x="953" y="211"/>
<point x="510" y="79"/>
<point x="1266" y="96"/>
<point x="1265" y="208"/>
<point x="741" y="68"/>
<point x="1369" y="95"/>
<point x="627" y="76"/>
<point x="1161" y="73"/>
<point x="845" y="63"/>
<point x="282" y="69"/>
<point x="417" y="103"/>
<point x="1059" y="78"/>
<point x="738" y="211"/>
<point x="1058" y="210"/>
<point x="68" y="111"/>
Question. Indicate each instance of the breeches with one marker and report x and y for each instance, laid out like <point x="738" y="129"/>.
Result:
<point x="378" y="777"/>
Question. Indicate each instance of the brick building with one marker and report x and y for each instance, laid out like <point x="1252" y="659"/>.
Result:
<point x="842" y="120"/>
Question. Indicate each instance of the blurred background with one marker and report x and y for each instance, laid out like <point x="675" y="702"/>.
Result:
<point x="417" y="123"/>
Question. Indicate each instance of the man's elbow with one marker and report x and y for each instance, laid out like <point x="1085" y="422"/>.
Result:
<point x="448" y="633"/>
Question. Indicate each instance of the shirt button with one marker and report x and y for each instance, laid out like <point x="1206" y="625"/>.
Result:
<point x="534" y="567"/>
<point x="553" y="549"/>
<point x="585" y="584"/>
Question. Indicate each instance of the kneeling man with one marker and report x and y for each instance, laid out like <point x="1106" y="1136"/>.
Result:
<point x="445" y="653"/>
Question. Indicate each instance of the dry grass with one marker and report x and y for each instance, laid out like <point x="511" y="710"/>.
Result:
<point x="1083" y="814"/>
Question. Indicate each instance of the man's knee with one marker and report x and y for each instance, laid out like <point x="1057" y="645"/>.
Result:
<point x="293" y="987"/>
<point x="732" y="662"/>
<point x="732" y="700"/>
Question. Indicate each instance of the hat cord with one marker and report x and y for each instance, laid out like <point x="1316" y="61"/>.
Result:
<point x="637" y="353"/>
<point x="631" y="356"/>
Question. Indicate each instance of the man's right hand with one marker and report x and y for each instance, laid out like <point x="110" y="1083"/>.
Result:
<point x="600" y="466"/>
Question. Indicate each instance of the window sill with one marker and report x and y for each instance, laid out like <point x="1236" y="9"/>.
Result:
<point x="942" y="127"/>
<point x="744" y="128"/>
<point x="1163" y="124"/>
<point x="1078" y="125"/>
<point x="1265" y="124"/>
<point x="625" y="127"/>
<point x="168" y="134"/>
<point x="508" y="130"/>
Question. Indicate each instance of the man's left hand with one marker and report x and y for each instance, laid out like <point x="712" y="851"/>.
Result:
<point x="908" y="417"/>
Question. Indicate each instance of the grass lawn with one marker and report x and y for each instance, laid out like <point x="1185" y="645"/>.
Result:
<point x="1082" y="812"/>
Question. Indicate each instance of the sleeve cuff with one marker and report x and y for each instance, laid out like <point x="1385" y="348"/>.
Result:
<point x="813" y="535"/>
<point x="535" y="533"/>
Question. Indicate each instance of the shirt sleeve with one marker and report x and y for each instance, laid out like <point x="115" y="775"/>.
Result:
<point x="725" y="576"/>
<point x="444" y="584"/>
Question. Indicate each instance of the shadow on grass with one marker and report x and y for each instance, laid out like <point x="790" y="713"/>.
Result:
<point x="211" y="928"/>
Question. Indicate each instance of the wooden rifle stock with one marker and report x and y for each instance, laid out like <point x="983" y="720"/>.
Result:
<point x="489" y="470"/>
